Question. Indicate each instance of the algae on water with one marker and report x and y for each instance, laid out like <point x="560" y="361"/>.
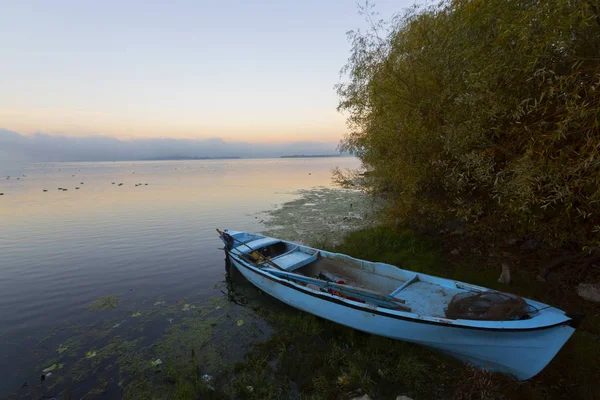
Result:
<point x="104" y="303"/>
<point x="321" y="216"/>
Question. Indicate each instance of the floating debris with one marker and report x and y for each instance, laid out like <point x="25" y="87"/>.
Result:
<point x="160" y="303"/>
<point x="136" y="314"/>
<point x="170" y="320"/>
<point x="61" y="349"/>
<point x="240" y="322"/>
<point x="187" y="307"/>
<point x="90" y="354"/>
<point x="156" y="363"/>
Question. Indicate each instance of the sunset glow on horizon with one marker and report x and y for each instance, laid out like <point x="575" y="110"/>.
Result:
<point x="237" y="70"/>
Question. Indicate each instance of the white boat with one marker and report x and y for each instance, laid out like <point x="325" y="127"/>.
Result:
<point x="385" y="300"/>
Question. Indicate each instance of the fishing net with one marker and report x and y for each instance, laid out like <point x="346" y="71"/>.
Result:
<point x="487" y="306"/>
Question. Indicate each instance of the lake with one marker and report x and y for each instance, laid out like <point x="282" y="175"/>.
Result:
<point x="142" y="232"/>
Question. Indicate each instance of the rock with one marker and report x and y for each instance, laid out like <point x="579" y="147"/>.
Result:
<point x="589" y="291"/>
<point x="505" y="275"/>
<point x="455" y="252"/>
<point x="403" y="398"/>
<point x="364" y="397"/>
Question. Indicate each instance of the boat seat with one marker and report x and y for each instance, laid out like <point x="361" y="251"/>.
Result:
<point x="293" y="260"/>
<point x="409" y="282"/>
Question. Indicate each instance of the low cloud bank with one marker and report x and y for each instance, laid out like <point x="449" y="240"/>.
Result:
<point x="44" y="147"/>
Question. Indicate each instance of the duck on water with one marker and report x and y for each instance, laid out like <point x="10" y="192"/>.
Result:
<point x="492" y="330"/>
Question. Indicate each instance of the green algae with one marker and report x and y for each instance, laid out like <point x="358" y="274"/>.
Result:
<point x="104" y="303"/>
<point x="321" y="216"/>
<point x="125" y="356"/>
<point x="90" y="354"/>
<point x="50" y="368"/>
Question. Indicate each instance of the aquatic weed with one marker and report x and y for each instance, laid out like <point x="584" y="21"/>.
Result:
<point x="104" y="303"/>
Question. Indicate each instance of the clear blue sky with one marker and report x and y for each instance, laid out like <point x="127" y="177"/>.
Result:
<point x="237" y="70"/>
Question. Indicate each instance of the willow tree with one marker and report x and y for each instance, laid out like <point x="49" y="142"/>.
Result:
<point x="486" y="110"/>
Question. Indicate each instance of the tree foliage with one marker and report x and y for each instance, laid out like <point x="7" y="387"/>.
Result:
<point x="487" y="110"/>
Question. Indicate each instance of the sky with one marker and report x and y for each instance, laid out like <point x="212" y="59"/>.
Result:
<point x="237" y="71"/>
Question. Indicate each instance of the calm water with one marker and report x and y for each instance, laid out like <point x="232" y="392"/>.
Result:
<point x="61" y="250"/>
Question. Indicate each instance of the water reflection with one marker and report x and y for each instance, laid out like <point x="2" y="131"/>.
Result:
<point x="60" y="251"/>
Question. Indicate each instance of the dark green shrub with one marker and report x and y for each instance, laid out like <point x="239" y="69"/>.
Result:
<point x="486" y="110"/>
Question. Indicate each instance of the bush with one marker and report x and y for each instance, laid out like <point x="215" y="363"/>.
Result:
<point x="485" y="110"/>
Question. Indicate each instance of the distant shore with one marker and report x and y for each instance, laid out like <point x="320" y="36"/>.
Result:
<point x="315" y="156"/>
<point x="179" y="158"/>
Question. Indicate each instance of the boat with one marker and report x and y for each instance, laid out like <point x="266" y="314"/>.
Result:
<point x="388" y="301"/>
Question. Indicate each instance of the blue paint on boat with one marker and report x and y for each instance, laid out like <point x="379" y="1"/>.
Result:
<point x="369" y="295"/>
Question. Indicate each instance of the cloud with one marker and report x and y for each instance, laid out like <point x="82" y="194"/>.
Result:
<point x="44" y="147"/>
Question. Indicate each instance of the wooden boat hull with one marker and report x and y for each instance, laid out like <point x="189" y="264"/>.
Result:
<point x="520" y="352"/>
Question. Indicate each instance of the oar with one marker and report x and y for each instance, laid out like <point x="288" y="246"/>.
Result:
<point x="221" y="233"/>
<point x="354" y="291"/>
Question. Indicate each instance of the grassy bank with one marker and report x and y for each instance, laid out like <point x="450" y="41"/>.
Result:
<point x="310" y="358"/>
